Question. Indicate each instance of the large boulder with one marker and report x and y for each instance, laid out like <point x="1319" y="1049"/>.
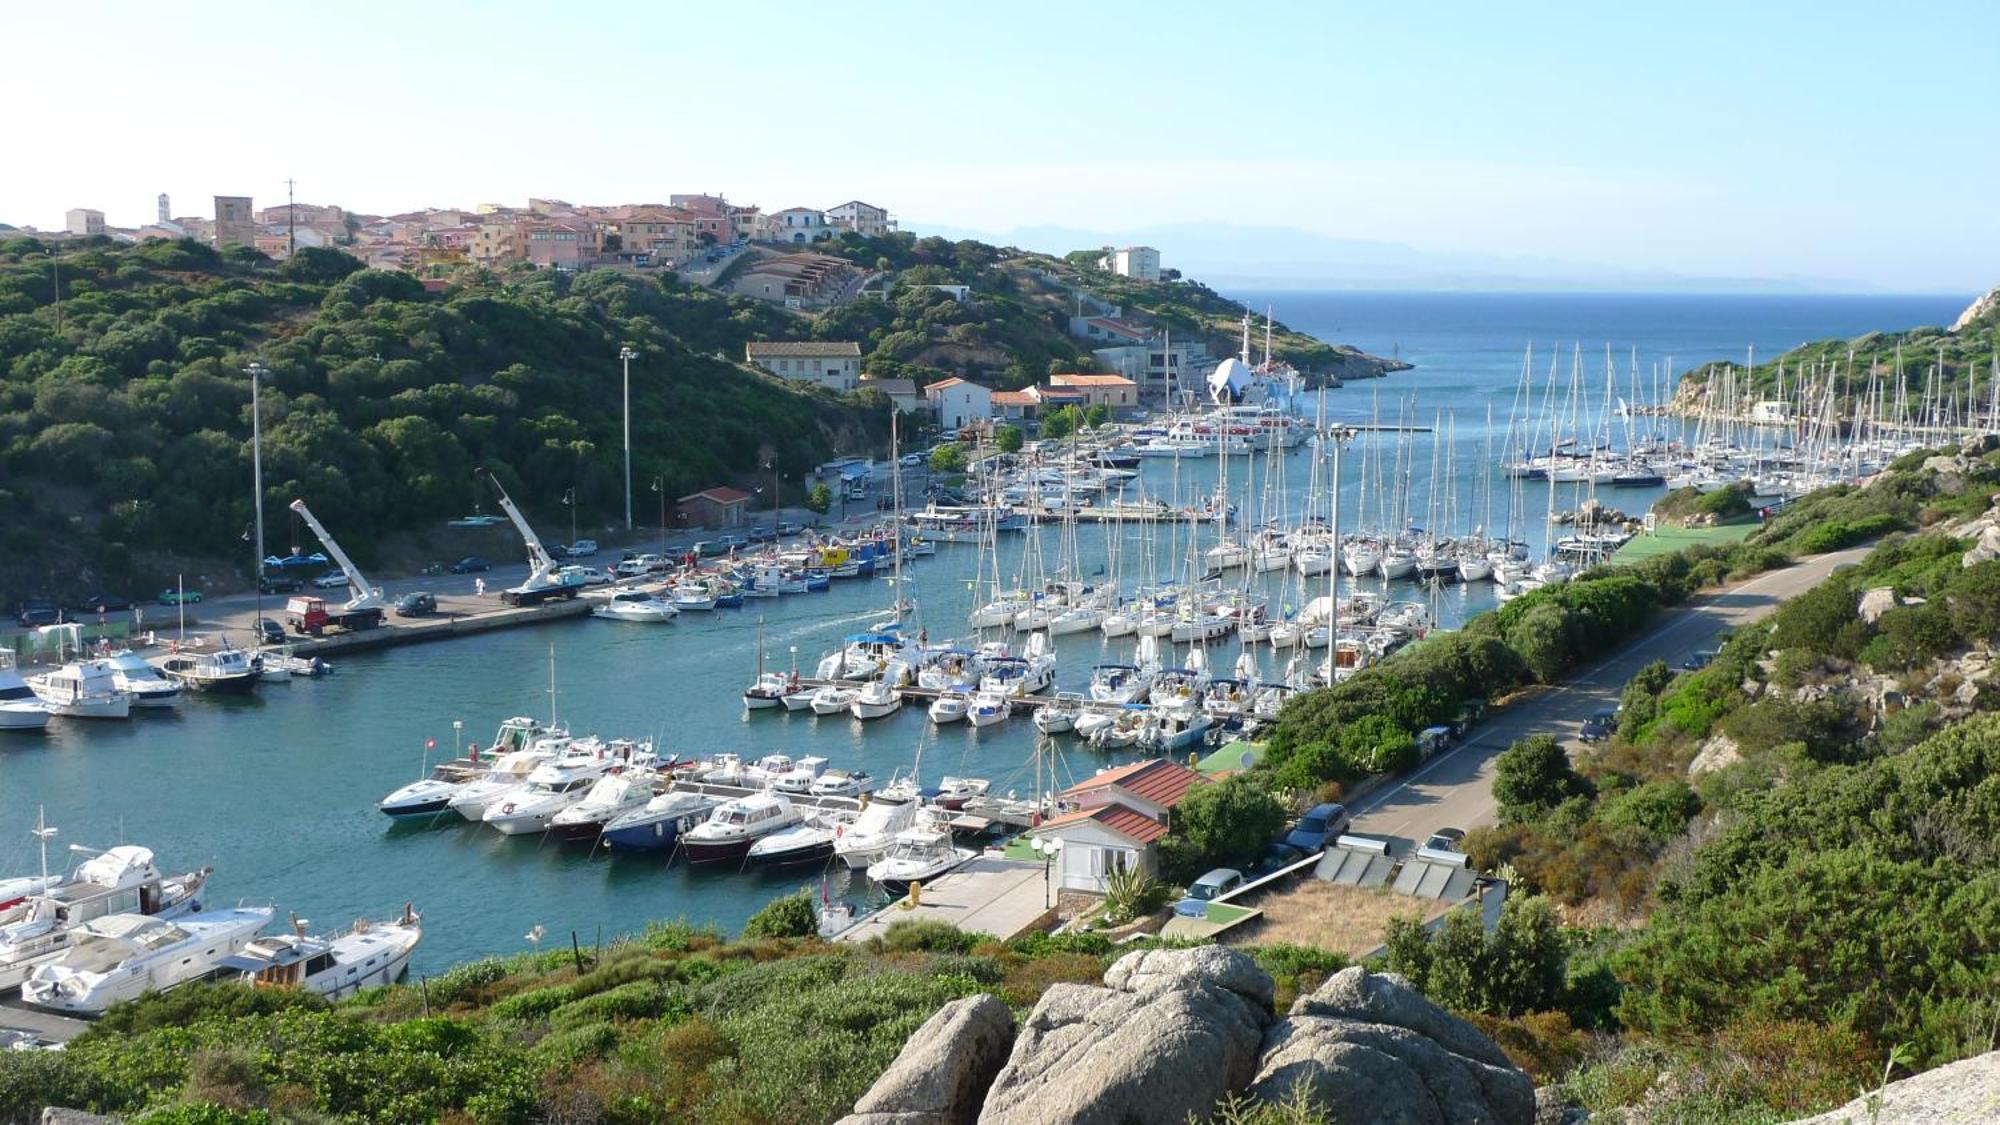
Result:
<point x="1988" y="547"/>
<point x="1175" y="1032"/>
<point x="1366" y="1047"/>
<point x="941" y="1076"/>
<point x="1967" y="1090"/>
<point x="1876" y="602"/>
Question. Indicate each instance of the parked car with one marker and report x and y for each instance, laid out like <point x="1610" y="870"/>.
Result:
<point x="912" y="460"/>
<point x="583" y="548"/>
<point x="762" y="535"/>
<point x="269" y="632"/>
<point x="556" y="551"/>
<point x="1446" y="840"/>
<point x="37" y="611"/>
<point x="103" y="603"/>
<point x="1599" y="726"/>
<point x="1697" y="660"/>
<point x="1276" y="858"/>
<point x="1321" y="825"/>
<point x="470" y="564"/>
<point x="418" y="604"/>
<point x="858" y="492"/>
<point x="732" y="543"/>
<point x="1206" y="889"/>
<point x="279" y="584"/>
<point x="632" y="567"/>
<point x="331" y="580"/>
<point x="790" y="529"/>
<point x="179" y="597"/>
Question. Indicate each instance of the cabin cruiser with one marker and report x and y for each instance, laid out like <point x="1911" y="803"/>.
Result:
<point x="429" y="796"/>
<point x="809" y="841"/>
<point x="951" y="705"/>
<point x="730" y="830"/>
<point x="20" y="707"/>
<point x="119" y="956"/>
<point x="917" y="855"/>
<point x="800" y="777"/>
<point x="842" y="783"/>
<point x="551" y="788"/>
<point x="370" y="955"/>
<point x="876" y="699"/>
<point x="226" y="671"/>
<point x="83" y="689"/>
<point x="611" y="795"/>
<point x="36" y="927"/>
<point x="1059" y="716"/>
<point x="636" y="605"/>
<point x="692" y="596"/>
<point x="148" y="687"/>
<point x="833" y="699"/>
<point x="660" y="823"/>
<point x="1170" y="729"/>
<point x="873" y="831"/>
<point x="988" y="707"/>
<point x="510" y="771"/>
<point x="954" y="792"/>
<point x="730" y="769"/>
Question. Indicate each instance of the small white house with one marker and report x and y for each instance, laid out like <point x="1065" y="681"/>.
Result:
<point x="1123" y="814"/>
<point x="1140" y="263"/>
<point x="959" y="402"/>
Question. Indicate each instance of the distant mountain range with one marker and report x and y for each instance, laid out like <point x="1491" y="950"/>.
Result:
<point x="1222" y="254"/>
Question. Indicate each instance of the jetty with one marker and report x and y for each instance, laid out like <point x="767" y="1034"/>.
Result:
<point x="989" y="894"/>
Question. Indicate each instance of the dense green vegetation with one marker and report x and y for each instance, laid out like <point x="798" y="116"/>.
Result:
<point x="124" y="419"/>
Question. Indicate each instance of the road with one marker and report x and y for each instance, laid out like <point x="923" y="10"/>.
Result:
<point x="1456" y="788"/>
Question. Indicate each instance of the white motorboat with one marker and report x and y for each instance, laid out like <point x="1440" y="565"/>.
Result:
<point x="730" y="769"/>
<point x="876" y="699"/>
<point x="636" y="605"/>
<point x="1168" y="730"/>
<point x="36" y="926"/>
<point x="1059" y="715"/>
<point x="988" y="707"/>
<point x="735" y="825"/>
<point x="551" y="788"/>
<point x="953" y="792"/>
<point x="83" y="689"/>
<point x="431" y="795"/>
<point x="120" y="956"/>
<point x="842" y="783"/>
<point x="798" y="697"/>
<point x="768" y="692"/>
<point x="873" y="831"/>
<point x="950" y="706"/>
<point x="509" y="772"/>
<point x="608" y="798"/>
<point x="20" y="707"/>
<point x="833" y="699"/>
<point x="660" y="823"/>
<point x="226" y="671"/>
<point x="696" y="596"/>
<point x="370" y="955"/>
<point x="809" y="841"/>
<point x="148" y="687"/>
<point x="1122" y="732"/>
<point x="1089" y="723"/>
<point x="918" y="855"/>
<point x="800" y="778"/>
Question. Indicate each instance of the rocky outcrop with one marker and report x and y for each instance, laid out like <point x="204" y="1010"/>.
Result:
<point x="1173" y="1032"/>
<point x="1876" y="602"/>
<point x="1718" y="753"/>
<point x="1964" y="1091"/>
<point x="942" y="1074"/>
<point x="57" y="1115"/>
<point x="1366" y="1047"/>
<point x="1985" y="306"/>
<point x="1988" y="547"/>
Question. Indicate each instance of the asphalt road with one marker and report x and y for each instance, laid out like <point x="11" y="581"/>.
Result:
<point x="1456" y="788"/>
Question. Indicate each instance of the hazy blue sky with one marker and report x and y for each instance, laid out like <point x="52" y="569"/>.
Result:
<point x="1827" y="140"/>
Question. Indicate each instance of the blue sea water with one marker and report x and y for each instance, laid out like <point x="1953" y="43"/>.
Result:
<point x="278" y="791"/>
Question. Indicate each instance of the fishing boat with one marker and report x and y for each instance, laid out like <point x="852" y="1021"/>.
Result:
<point x="735" y="825"/>
<point x="227" y="671"/>
<point x="120" y="956"/>
<point x="833" y="699"/>
<point x="660" y="823"/>
<point x="370" y="955"/>
<point x="988" y="707"/>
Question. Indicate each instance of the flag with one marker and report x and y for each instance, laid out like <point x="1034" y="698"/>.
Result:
<point x="430" y="743"/>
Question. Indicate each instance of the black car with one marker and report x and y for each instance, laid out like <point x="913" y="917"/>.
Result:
<point x="103" y="603"/>
<point x="280" y="584"/>
<point x="38" y="611"/>
<point x="1698" y="660"/>
<point x="418" y="604"/>
<point x="270" y="632"/>
<point x="1276" y="858"/>
<point x="470" y="564"/>
<point x="1599" y="726"/>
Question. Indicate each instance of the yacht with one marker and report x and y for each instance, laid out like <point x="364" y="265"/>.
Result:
<point x="83" y="689"/>
<point x="873" y="831"/>
<point x="918" y="855"/>
<point x="429" y="796"/>
<point x="36" y="928"/>
<point x="842" y="783"/>
<point x="226" y="671"/>
<point x="875" y="700"/>
<point x="809" y="841"/>
<point x="636" y="605"/>
<point x="954" y="792"/>
<point x="950" y="706"/>
<point x="660" y="823"/>
<point x="551" y="788"/>
<point x="119" y="956"/>
<point x="510" y="771"/>
<point x="370" y="955"/>
<point x="611" y="796"/>
<point x="148" y="687"/>
<point x="693" y="596"/>
<point x="1060" y="715"/>
<point x="20" y="707"/>
<point x="730" y="830"/>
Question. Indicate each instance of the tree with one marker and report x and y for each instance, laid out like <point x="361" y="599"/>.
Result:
<point x="948" y="458"/>
<point x="1541" y="636"/>
<point x="820" y="498"/>
<point x="791" y="916"/>
<point x="319" y="265"/>
<point x="1059" y="424"/>
<point x="1008" y="439"/>
<point x="1533" y="776"/>
<point x="1224" y="822"/>
<point x="1097" y="415"/>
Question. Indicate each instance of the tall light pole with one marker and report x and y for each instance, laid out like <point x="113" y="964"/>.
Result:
<point x="257" y="371"/>
<point x="628" y="354"/>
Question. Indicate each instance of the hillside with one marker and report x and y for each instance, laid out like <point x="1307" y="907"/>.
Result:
<point x="125" y="425"/>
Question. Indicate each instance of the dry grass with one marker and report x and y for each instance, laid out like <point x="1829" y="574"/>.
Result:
<point x="1341" y="919"/>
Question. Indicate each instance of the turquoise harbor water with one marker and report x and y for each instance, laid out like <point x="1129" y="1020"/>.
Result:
<point x="278" y="791"/>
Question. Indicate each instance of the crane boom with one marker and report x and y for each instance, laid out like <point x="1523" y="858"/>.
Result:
<point x="546" y="577"/>
<point x="363" y="596"/>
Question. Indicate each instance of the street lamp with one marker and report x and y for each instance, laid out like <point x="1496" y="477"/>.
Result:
<point x="628" y="354"/>
<point x="1047" y="849"/>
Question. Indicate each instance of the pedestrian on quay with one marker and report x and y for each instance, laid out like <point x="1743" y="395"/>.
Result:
<point x="479" y="587"/>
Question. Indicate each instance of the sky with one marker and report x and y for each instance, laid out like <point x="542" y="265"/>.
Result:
<point x="1840" y="142"/>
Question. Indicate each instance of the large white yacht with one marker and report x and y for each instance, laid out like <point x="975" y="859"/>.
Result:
<point x="552" y="787"/>
<point x="429" y="796"/>
<point x="612" y="795"/>
<point x="84" y="689"/>
<point x="120" y="956"/>
<point x="869" y="837"/>
<point x="918" y="855"/>
<point x="36" y="929"/>
<point x="148" y="687"/>
<point x="20" y="707"/>
<point x="370" y="954"/>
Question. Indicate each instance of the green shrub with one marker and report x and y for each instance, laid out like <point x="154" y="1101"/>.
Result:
<point x="1533" y="776"/>
<point x="790" y="917"/>
<point x="908" y="936"/>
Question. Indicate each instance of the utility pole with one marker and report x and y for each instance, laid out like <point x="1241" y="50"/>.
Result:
<point x="257" y="371"/>
<point x="291" y="220"/>
<point x="628" y="355"/>
<point x="55" y="285"/>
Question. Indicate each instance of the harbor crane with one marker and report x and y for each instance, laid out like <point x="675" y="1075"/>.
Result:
<point x="547" y="579"/>
<point x="364" y="605"/>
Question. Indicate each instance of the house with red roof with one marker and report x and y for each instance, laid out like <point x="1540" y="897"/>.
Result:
<point x="1121" y="815"/>
<point x="721" y="506"/>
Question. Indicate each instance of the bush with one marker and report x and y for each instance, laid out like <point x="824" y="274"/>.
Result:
<point x="1008" y="439"/>
<point x="927" y="937"/>
<point x="1533" y="776"/>
<point x="790" y="917"/>
<point x="1221" y="823"/>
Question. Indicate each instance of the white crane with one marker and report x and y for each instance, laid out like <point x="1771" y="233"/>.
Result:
<point x="546" y="578"/>
<point x="365" y="603"/>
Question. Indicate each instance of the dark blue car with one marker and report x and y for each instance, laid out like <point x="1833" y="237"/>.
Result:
<point x="1321" y="825"/>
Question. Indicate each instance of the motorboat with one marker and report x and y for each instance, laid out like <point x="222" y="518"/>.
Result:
<point x="798" y="696"/>
<point x="660" y="823"/>
<point x="83" y="689"/>
<point x="833" y="699"/>
<point x="800" y="778"/>
<point x="120" y="956"/>
<point x="1168" y="730"/>
<point x="370" y="955"/>
<point x="1060" y="714"/>
<point x="20" y="707"/>
<point x="768" y="692"/>
<point x="842" y="783"/>
<point x="686" y="596"/>
<point x="918" y="855"/>
<point x="954" y="792"/>
<point x="873" y="832"/>
<point x="636" y="605"/>
<point x="1122" y="732"/>
<point x="431" y="795"/>
<point x="551" y="788"/>
<point x="730" y="769"/>
<point x="226" y="671"/>
<point x="735" y="825"/>
<point x="509" y="772"/>
<point x="610" y="796"/>
<point x="148" y="687"/>
<point x="809" y="841"/>
<point x="35" y="928"/>
<point x="951" y="705"/>
<point x="1088" y="723"/>
<point x="988" y="707"/>
<point x="876" y="699"/>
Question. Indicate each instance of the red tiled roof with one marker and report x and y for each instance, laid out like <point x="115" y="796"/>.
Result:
<point x="1160" y="781"/>
<point x="1129" y="823"/>
<point x="721" y="495"/>
<point x="943" y="383"/>
<point x="1075" y="380"/>
<point x="1014" y="398"/>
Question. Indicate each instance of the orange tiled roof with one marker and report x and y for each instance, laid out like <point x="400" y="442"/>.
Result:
<point x="1129" y="823"/>
<point x="1160" y="781"/>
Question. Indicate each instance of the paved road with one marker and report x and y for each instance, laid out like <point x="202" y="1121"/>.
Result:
<point x="1456" y="788"/>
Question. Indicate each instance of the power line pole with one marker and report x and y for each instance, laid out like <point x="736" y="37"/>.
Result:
<point x="628" y="354"/>
<point x="291" y="220"/>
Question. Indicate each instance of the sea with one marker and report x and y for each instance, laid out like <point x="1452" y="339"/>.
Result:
<point x="277" y="791"/>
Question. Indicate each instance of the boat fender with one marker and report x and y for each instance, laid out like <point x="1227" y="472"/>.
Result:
<point x="509" y="807"/>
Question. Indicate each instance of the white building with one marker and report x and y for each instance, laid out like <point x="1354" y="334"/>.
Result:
<point x="1123" y="814"/>
<point x="835" y="365"/>
<point x="798" y="224"/>
<point x="959" y="403"/>
<point x="1140" y="263"/>
<point x="84" y="221"/>
<point x="861" y="218"/>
